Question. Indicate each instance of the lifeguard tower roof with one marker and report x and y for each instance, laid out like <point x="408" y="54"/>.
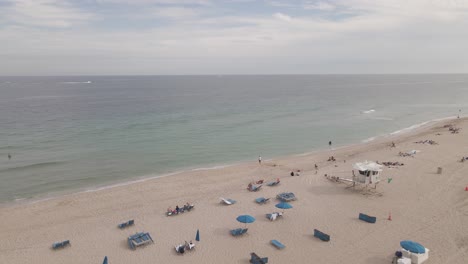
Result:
<point x="367" y="166"/>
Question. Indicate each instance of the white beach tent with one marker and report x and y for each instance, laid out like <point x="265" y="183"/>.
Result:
<point x="368" y="172"/>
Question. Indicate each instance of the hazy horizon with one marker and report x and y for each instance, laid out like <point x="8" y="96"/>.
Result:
<point x="233" y="74"/>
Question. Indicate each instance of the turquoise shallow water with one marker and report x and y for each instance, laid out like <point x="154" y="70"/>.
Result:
<point x="74" y="133"/>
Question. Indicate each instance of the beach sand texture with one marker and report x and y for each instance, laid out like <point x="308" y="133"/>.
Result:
<point x="425" y="206"/>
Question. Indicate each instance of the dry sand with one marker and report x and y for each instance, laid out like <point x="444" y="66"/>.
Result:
<point x="426" y="207"/>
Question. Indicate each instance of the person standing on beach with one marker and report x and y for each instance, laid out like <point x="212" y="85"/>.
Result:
<point x="259" y="160"/>
<point x="329" y="143"/>
<point x="9" y="156"/>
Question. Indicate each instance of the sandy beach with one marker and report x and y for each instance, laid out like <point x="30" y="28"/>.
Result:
<point x="425" y="206"/>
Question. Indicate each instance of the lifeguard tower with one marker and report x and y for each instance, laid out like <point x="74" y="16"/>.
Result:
<point x="368" y="172"/>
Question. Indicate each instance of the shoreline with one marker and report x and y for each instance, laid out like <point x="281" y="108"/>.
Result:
<point x="426" y="206"/>
<point x="65" y="193"/>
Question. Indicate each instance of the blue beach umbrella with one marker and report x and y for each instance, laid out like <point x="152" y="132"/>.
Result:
<point x="284" y="205"/>
<point x="105" y="260"/>
<point x="247" y="219"/>
<point x="197" y="237"/>
<point x="412" y="246"/>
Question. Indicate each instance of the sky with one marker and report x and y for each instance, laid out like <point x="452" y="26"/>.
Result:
<point x="165" y="37"/>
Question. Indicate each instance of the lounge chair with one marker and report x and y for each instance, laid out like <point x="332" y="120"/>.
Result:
<point x="126" y="224"/>
<point x="182" y="248"/>
<point x="320" y="235"/>
<point x="139" y="239"/>
<point x="190" y="246"/>
<point x="181" y="210"/>
<point x="367" y="218"/>
<point x="277" y="244"/>
<point x="286" y="197"/>
<point x="62" y="244"/>
<point x="262" y="200"/>
<point x="239" y="231"/>
<point x="255" y="259"/>
<point x="273" y="183"/>
<point x="228" y="201"/>
<point x="254" y="188"/>
<point x="274" y="215"/>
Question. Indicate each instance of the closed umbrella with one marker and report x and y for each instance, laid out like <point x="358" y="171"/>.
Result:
<point x="197" y="237"/>
<point x="105" y="260"/>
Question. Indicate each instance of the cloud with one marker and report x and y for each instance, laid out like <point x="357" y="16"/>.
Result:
<point x="176" y="12"/>
<point x="322" y="6"/>
<point x="280" y="3"/>
<point x="282" y="17"/>
<point x="157" y="2"/>
<point x="356" y="36"/>
<point x="44" y="13"/>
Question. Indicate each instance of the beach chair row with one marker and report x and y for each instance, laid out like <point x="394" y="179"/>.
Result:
<point x="126" y="224"/>
<point x="284" y="197"/>
<point x="62" y="244"/>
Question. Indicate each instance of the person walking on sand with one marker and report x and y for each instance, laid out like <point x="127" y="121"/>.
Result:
<point x="259" y="160"/>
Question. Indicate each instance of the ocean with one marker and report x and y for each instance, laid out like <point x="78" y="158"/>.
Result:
<point x="76" y="133"/>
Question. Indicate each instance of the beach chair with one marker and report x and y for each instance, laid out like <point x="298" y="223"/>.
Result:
<point x="255" y="259"/>
<point x="367" y="218"/>
<point x="239" y="231"/>
<point x="273" y="183"/>
<point x="228" y="201"/>
<point x="180" y="249"/>
<point x="190" y="246"/>
<point x="126" y="224"/>
<point x="320" y="235"/>
<point x="286" y="197"/>
<point x="274" y="215"/>
<point x="61" y="244"/>
<point x="254" y="188"/>
<point x="262" y="200"/>
<point x="277" y="244"/>
<point x="139" y="239"/>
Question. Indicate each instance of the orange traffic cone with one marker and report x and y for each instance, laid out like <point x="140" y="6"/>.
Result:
<point x="389" y="216"/>
<point x="466" y="188"/>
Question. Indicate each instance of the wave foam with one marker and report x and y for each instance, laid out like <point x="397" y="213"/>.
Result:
<point x="368" y="111"/>
<point x="212" y="168"/>
<point x="382" y="118"/>
<point x="77" y="82"/>
<point x="413" y="127"/>
<point x="368" y="139"/>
